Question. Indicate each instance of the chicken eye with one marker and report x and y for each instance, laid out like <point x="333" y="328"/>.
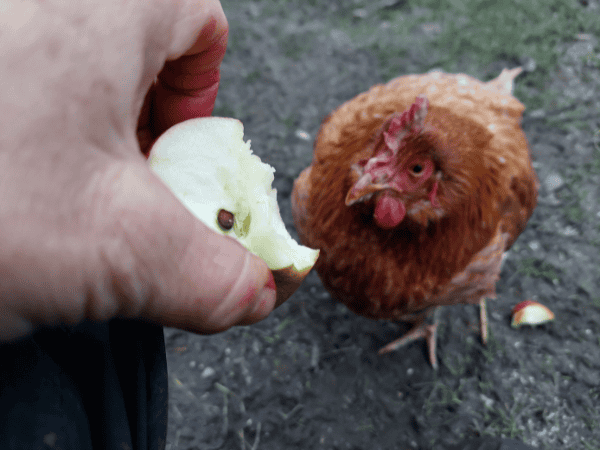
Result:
<point x="225" y="219"/>
<point x="417" y="169"/>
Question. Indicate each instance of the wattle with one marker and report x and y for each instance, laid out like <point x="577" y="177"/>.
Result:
<point x="389" y="212"/>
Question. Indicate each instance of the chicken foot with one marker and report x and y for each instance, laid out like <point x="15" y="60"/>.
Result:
<point x="421" y="329"/>
<point x="428" y="331"/>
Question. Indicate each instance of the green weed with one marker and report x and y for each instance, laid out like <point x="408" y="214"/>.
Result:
<point x="296" y="45"/>
<point x="441" y="396"/>
<point x="595" y="445"/>
<point x="537" y="268"/>
<point x="475" y="34"/>
<point x="253" y="76"/>
<point x="575" y="213"/>
<point x="270" y="339"/>
<point x="366" y="425"/>
<point x="502" y="421"/>
<point x="284" y="323"/>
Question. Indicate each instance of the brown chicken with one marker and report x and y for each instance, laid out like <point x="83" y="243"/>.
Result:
<point x="416" y="189"/>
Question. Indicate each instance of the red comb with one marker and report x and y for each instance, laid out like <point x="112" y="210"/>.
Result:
<point x="410" y="121"/>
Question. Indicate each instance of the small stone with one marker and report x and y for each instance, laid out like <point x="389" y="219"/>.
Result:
<point x="253" y="9"/>
<point x="537" y="113"/>
<point x="360" y="13"/>
<point x="579" y="50"/>
<point x="528" y="64"/>
<point x="570" y="231"/>
<point x="208" y="372"/>
<point x="340" y="38"/>
<point x="431" y="29"/>
<point x="488" y="402"/>
<point x="553" y="182"/>
<point x="303" y="135"/>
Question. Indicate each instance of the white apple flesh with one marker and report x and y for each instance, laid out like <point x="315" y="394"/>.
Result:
<point x="208" y="166"/>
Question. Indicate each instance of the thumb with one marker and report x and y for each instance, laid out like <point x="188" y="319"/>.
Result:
<point x="176" y="271"/>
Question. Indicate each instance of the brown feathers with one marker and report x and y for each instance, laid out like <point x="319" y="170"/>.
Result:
<point x="464" y="178"/>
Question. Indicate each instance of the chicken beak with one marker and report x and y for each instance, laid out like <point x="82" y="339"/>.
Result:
<point x="360" y="193"/>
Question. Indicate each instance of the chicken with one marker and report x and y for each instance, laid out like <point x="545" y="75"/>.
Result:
<point x="416" y="189"/>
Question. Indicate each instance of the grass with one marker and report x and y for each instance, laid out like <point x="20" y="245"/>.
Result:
<point x="575" y="213"/>
<point x="494" y="349"/>
<point x="537" y="268"/>
<point x="595" y="165"/>
<point x="276" y="335"/>
<point x="457" y="364"/>
<point x="591" y="445"/>
<point x="472" y="36"/>
<point x="475" y="34"/>
<point x="472" y="33"/>
<point x="441" y="397"/>
<point x="570" y="118"/>
<point x="502" y="421"/>
<point x="366" y="425"/>
<point x="498" y="418"/>
<point x="294" y="46"/>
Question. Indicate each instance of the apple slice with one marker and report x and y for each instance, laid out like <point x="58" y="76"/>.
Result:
<point x="208" y="166"/>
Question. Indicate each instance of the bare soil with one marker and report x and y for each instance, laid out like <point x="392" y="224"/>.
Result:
<point x="309" y="376"/>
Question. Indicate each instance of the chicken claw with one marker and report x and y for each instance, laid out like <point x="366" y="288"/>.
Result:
<point x="421" y="329"/>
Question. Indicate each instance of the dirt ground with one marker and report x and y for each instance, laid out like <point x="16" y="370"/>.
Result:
<point x="309" y="376"/>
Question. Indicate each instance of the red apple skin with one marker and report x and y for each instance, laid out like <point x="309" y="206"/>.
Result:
<point x="287" y="281"/>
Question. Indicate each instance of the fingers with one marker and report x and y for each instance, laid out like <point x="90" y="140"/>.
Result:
<point x="174" y="270"/>
<point x="188" y="83"/>
<point x="125" y="247"/>
<point x="223" y="284"/>
<point x="187" y="87"/>
<point x="219" y="285"/>
<point x="83" y="240"/>
<point x="198" y="24"/>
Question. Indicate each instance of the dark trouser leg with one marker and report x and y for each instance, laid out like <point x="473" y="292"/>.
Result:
<point x="94" y="386"/>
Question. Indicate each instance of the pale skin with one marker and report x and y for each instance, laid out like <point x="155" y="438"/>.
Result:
<point x="87" y="231"/>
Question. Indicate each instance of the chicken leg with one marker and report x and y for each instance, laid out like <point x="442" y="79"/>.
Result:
<point x="428" y="331"/>
<point x="483" y="323"/>
<point x="421" y="329"/>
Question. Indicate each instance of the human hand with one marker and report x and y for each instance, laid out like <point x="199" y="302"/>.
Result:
<point x="86" y="229"/>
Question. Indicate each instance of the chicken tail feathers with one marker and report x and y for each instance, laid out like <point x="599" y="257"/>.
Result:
<point x="503" y="83"/>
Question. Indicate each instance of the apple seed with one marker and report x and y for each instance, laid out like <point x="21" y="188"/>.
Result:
<point x="225" y="219"/>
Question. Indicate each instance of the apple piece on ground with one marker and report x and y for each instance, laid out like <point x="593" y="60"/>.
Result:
<point x="213" y="172"/>
<point x="532" y="313"/>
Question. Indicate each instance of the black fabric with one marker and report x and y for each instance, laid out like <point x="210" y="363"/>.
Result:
<point x="93" y="386"/>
